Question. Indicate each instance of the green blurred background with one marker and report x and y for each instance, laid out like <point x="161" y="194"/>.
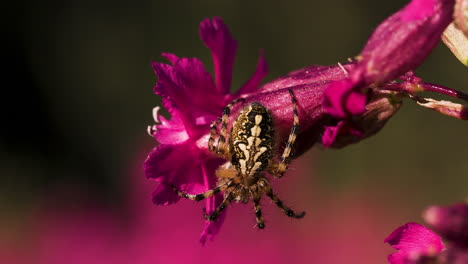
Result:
<point x="78" y="99"/>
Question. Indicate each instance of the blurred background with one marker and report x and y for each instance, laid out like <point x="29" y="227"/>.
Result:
<point x="78" y="98"/>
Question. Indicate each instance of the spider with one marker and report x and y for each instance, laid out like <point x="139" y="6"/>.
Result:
<point x="249" y="153"/>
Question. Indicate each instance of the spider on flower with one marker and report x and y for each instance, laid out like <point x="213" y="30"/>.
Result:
<point x="249" y="153"/>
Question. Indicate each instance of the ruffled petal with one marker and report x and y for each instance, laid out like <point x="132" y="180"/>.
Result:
<point x="170" y="131"/>
<point x="341" y="100"/>
<point x="253" y="83"/>
<point x="412" y="241"/>
<point x="154" y="166"/>
<point x="188" y="86"/>
<point x="164" y="195"/>
<point x="178" y="165"/>
<point x="343" y="128"/>
<point x="223" y="47"/>
<point x="212" y="228"/>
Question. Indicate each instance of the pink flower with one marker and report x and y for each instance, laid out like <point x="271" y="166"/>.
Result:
<point x="451" y="222"/>
<point x="398" y="46"/>
<point x="194" y="101"/>
<point x="418" y="244"/>
<point x="413" y="241"/>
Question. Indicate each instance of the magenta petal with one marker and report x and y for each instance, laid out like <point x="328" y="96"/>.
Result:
<point x="355" y="103"/>
<point x="404" y="40"/>
<point x="223" y="47"/>
<point x="253" y="83"/>
<point x="186" y="84"/>
<point x="413" y="240"/>
<point x="329" y="135"/>
<point x="343" y="128"/>
<point x="177" y="165"/>
<point x="164" y="195"/>
<point x="418" y="9"/>
<point x="170" y="57"/>
<point x="212" y="228"/>
<point x="340" y="100"/>
<point x="171" y="131"/>
<point x="153" y="166"/>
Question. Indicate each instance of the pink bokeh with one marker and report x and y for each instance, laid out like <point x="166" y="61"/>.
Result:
<point x="343" y="228"/>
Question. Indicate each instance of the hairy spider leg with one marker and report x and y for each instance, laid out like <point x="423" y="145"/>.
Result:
<point x="227" y="200"/>
<point x="213" y="133"/>
<point x="207" y="194"/>
<point x="279" y="203"/>
<point x="258" y="212"/>
<point x="278" y="169"/>
<point x="221" y="145"/>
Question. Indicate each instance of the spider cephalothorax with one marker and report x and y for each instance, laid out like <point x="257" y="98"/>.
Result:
<point x="249" y="152"/>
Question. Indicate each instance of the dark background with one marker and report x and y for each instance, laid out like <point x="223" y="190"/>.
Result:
<point x="77" y="98"/>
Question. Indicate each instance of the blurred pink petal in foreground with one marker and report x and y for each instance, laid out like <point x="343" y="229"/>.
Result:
<point x="344" y="228"/>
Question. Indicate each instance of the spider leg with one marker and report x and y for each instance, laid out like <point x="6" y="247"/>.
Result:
<point x="279" y="203"/>
<point x="213" y="133"/>
<point x="278" y="169"/>
<point x="258" y="212"/>
<point x="222" y="146"/>
<point x="227" y="200"/>
<point x="207" y="194"/>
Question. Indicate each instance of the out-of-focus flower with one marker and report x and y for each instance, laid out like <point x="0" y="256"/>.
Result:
<point x="417" y="244"/>
<point x="398" y="45"/>
<point x="451" y="222"/>
<point x="457" y="42"/>
<point x="412" y="241"/>
<point x="461" y="15"/>
<point x="134" y="231"/>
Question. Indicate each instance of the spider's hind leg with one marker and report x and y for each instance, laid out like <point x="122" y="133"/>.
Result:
<point x="280" y="204"/>
<point x="278" y="169"/>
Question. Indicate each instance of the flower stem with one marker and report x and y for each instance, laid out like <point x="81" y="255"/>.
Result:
<point x="413" y="88"/>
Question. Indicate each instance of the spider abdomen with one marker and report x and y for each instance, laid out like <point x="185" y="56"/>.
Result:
<point x="252" y="140"/>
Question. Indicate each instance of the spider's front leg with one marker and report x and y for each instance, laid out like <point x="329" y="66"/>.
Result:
<point x="207" y="194"/>
<point x="222" y="148"/>
<point x="278" y="169"/>
<point x="227" y="200"/>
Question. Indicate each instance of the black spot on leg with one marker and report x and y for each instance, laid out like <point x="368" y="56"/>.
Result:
<point x="300" y="215"/>
<point x="261" y="225"/>
<point x="212" y="217"/>
<point x="226" y="111"/>
<point x="199" y="197"/>
<point x="258" y="213"/>
<point x="216" y="190"/>
<point x="295" y="129"/>
<point x="290" y="213"/>
<point x="279" y="203"/>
